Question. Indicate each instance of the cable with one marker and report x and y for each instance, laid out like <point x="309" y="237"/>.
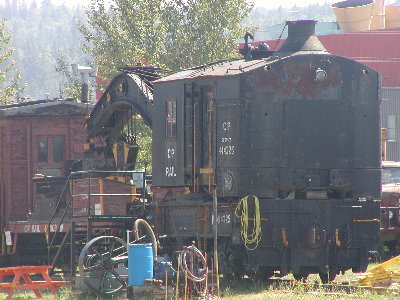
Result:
<point x="243" y="213"/>
<point x="197" y="263"/>
<point x="279" y="38"/>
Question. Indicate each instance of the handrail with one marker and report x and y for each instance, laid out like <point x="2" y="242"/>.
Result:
<point x="58" y="206"/>
<point x="69" y="202"/>
<point x="57" y="230"/>
<point x="103" y="171"/>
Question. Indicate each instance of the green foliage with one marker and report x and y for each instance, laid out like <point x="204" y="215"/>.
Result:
<point x="72" y="87"/>
<point x="143" y="139"/>
<point x="163" y="33"/>
<point x="9" y="74"/>
<point x="41" y="31"/>
<point x="169" y="34"/>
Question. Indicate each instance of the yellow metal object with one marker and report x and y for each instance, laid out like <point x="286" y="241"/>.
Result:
<point x="285" y="242"/>
<point x="121" y="179"/>
<point x="372" y="220"/>
<point x="133" y="191"/>
<point x="387" y="272"/>
<point x="101" y="191"/>
<point x="337" y="241"/>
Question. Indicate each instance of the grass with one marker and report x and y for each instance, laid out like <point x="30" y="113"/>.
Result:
<point x="291" y="289"/>
<point x="249" y="290"/>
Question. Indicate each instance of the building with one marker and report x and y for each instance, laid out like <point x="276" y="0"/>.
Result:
<point x="380" y="50"/>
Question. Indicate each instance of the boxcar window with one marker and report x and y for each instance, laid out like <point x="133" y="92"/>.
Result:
<point x="171" y="119"/>
<point x="58" y="151"/>
<point x="42" y="149"/>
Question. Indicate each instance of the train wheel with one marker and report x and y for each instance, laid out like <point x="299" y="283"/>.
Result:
<point x="102" y="264"/>
<point x="328" y="277"/>
<point x="261" y="275"/>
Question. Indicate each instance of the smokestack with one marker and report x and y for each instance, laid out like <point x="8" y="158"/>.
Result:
<point x="301" y="37"/>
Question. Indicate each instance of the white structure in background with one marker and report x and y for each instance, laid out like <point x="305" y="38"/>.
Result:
<point x="365" y="15"/>
<point x="85" y="73"/>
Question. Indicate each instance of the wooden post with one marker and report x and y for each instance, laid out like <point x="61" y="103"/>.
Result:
<point x="177" y="279"/>
<point x="73" y="249"/>
<point x="186" y="287"/>
<point x="15" y="241"/>
<point x="166" y="284"/>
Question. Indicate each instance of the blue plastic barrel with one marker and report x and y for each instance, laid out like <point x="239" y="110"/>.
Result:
<point x="140" y="264"/>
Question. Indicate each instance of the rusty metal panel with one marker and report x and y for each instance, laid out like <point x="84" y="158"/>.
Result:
<point x="295" y="125"/>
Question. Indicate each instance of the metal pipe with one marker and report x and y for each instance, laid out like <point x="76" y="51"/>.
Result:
<point x="120" y="195"/>
<point x="89" y="191"/>
<point x="215" y="208"/>
<point x="144" y="190"/>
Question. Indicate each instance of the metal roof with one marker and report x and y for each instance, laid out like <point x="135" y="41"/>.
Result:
<point x="44" y="108"/>
<point x="233" y="67"/>
<point x="378" y="49"/>
<point x="222" y="68"/>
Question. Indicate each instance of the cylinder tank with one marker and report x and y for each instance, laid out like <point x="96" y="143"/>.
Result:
<point x="353" y="15"/>
<point x="140" y="264"/>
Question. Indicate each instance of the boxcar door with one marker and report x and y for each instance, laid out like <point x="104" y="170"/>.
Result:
<point x="208" y="144"/>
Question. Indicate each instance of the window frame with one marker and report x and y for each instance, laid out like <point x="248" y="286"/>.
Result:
<point x="45" y="140"/>
<point x="391" y="128"/>
<point x="170" y="119"/>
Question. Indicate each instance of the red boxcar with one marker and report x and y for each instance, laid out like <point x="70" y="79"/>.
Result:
<point x="39" y="143"/>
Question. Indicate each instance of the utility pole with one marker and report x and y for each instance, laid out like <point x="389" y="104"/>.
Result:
<point x="84" y="73"/>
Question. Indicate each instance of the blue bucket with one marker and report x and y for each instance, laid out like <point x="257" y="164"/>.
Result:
<point x="140" y="264"/>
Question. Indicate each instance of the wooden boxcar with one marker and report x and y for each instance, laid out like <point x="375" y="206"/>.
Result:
<point x="39" y="143"/>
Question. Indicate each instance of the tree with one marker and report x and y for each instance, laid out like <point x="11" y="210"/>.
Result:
<point x="171" y="34"/>
<point x="9" y="75"/>
<point x="72" y="86"/>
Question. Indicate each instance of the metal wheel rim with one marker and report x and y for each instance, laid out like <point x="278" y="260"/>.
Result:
<point x="106" y="262"/>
